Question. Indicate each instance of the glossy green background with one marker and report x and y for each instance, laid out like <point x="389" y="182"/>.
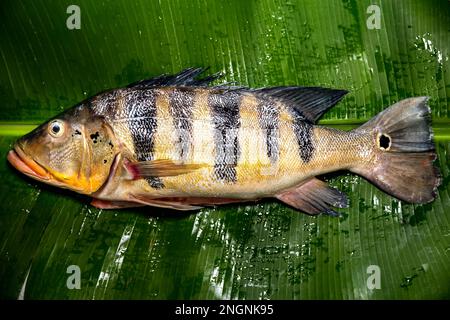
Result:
<point x="263" y="251"/>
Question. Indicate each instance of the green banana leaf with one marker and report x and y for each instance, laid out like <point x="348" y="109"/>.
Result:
<point x="258" y="251"/>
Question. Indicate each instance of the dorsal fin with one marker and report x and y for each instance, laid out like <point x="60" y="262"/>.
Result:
<point x="187" y="77"/>
<point x="308" y="102"/>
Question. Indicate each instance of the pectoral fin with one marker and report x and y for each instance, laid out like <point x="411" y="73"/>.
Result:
<point x="158" y="168"/>
<point x="314" y="197"/>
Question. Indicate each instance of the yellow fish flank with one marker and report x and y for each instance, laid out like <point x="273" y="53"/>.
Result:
<point x="176" y="142"/>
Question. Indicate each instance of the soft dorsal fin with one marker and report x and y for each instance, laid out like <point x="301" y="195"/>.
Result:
<point x="187" y="77"/>
<point x="308" y="102"/>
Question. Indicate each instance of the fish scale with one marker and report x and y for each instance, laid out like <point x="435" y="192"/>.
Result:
<point x="224" y="111"/>
<point x="141" y="109"/>
<point x="181" y="103"/>
<point x="268" y="115"/>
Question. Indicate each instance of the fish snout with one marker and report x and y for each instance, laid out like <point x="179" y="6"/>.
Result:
<point x="25" y="164"/>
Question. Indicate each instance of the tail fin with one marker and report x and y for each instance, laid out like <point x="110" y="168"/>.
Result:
<point x="404" y="151"/>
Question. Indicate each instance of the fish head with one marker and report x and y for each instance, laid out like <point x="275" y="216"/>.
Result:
<point x="74" y="150"/>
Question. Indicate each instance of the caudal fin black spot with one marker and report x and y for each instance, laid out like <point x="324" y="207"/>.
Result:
<point x="384" y="141"/>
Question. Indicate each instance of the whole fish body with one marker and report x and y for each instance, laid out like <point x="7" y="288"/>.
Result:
<point x="176" y="142"/>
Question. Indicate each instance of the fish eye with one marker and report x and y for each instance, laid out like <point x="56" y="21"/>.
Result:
<point x="56" y="128"/>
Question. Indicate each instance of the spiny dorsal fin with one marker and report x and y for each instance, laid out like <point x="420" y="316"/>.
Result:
<point x="308" y="102"/>
<point x="187" y="77"/>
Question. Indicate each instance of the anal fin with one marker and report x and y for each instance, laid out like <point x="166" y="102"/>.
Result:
<point x="314" y="197"/>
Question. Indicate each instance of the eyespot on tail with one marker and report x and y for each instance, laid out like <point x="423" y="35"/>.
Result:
<point x="404" y="152"/>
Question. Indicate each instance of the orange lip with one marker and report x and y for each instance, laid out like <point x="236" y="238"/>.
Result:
<point x="26" y="165"/>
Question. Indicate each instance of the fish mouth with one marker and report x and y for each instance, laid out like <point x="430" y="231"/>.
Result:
<point x="27" y="165"/>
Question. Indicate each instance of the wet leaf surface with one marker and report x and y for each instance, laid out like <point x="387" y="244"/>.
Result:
<point x="258" y="251"/>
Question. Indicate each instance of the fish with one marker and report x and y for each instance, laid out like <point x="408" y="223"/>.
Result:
<point x="180" y="142"/>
